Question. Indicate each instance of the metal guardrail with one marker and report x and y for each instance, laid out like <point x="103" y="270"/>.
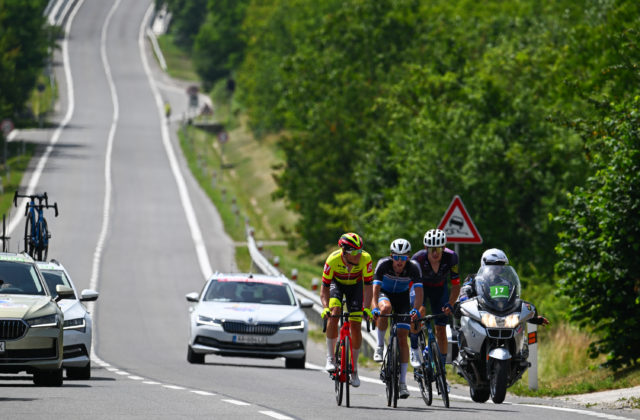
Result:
<point x="261" y="262"/>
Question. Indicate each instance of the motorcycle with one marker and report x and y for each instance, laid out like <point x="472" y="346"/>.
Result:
<point x="492" y="349"/>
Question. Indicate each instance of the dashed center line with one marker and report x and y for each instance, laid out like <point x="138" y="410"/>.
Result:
<point x="275" y="415"/>
<point x="236" y="402"/>
<point x="205" y="393"/>
<point x="173" y="387"/>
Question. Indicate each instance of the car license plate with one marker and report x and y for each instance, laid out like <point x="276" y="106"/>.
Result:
<point x="250" y="339"/>
<point x="2" y="348"/>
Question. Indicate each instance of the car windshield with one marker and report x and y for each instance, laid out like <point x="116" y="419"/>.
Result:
<point x="270" y="293"/>
<point x="20" y="278"/>
<point x="54" y="278"/>
<point x="498" y="287"/>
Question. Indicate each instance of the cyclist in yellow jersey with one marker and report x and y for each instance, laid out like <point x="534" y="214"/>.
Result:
<point x="348" y="272"/>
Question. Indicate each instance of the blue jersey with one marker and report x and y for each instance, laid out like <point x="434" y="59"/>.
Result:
<point x="391" y="282"/>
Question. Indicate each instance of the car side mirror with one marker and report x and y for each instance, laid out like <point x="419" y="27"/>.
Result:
<point x="305" y="303"/>
<point x="64" y="292"/>
<point x="192" y="297"/>
<point x="88" y="295"/>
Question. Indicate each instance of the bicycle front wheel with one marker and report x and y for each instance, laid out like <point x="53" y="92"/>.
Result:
<point x="440" y="374"/>
<point x="28" y="226"/>
<point x="346" y="362"/>
<point x="422" y="377"/>
<point x="337" y="373"/>
<point x="43" y="240"/>
<point x="388" y="363"/>
<point x="395" y="373"/>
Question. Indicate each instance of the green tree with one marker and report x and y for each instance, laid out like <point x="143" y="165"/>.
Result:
<point x="24" y="43"/>
<point x="600" y="239"/>
<point x="219" y="46"/>
<point x="186" y="18"/>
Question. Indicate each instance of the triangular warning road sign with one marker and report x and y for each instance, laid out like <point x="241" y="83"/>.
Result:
<point x="458" y="225"/>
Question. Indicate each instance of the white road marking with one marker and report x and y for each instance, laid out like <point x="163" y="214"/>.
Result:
<point x="236" y="402"/>
<point x="135" y="378"/>
<point x="122" y="373"/>
<point x="173" y="387"/>
<point x="578" y="411"/>
<point x="151" y="382"/>
<point x="275" y="415"/>
<point x="205" y="393"/>
<point x="37" y="172"/>
<point x="192" y="221"/>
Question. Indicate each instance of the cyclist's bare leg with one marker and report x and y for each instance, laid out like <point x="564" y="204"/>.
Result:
<point x="356" y="339"/>
<point x="385" y="309"/>
<point x="403" y="342"/>
<point x="441" y="338"/>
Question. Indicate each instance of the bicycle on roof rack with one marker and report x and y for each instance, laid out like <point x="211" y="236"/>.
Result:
<point x="4" y="237"/>
<point x="36" y="232"/>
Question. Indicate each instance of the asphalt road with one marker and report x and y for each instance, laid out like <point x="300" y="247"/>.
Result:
<point x="134" y="225"/>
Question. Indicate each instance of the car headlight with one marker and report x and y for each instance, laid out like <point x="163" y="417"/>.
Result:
<point x="205" y="320"/>
<point x="492" y="321"/>
<point x="75" y="324"/>
<point x="43" y="321"/>
<point x="296" y="325"/>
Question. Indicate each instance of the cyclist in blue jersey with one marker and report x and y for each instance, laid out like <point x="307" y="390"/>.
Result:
<point x="392" y="280"/>
<point x="439" y="265"/>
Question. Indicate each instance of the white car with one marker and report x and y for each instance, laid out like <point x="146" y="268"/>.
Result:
<point x="248" y="315"/>
<point x="77" y="321"/>
<point x="31" y="322"/>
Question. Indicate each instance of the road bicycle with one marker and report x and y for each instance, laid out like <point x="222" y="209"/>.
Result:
<point x="344" y="357"/>
<point x="432" y="367"/>
<point x="390" y="369"/>
<point x="36" y="232"/>
<point x="4" y="237"/>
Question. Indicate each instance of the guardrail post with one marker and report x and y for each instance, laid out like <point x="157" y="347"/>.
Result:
<point x="314" y="283"/>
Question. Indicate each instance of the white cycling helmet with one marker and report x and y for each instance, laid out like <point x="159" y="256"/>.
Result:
<point x="435" y="237"/>
<point x="493" y="256"/>
<point x="400" y="246"/>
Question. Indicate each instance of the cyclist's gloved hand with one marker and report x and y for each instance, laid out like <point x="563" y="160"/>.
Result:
<point x="376" y="312"/>
<point x="325" y="312"/>
<point x="414" y="314"/>
<point x="368" y="312"/>
<point x="447" y="308"/>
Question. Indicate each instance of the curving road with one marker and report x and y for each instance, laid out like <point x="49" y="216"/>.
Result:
<point x="134" y="225"/>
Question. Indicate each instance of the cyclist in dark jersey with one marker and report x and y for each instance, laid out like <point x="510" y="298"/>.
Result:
<point x="439" y="266"/>
<point x="392" y="280"/>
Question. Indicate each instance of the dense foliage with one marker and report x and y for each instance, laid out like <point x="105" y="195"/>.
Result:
<point x="24" y="43"/>
<point x="389" y="108"/>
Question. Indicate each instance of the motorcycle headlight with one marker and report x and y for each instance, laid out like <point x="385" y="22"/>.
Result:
<point x="512" y="320"/>
<point x="75" y="324"/>
<point x="43" y="321"/>
<point x="489" y="320"/>
<point x="205" y="320"/>
<point x="297" y="325"/>
<point x="492" y="321"/>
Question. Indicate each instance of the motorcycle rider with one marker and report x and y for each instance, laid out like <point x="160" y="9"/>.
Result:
<point x="493" y="256"/>
<point x="391" y="282"/>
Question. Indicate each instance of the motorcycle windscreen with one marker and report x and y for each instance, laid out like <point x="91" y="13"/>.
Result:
<point x="498" y="287"/>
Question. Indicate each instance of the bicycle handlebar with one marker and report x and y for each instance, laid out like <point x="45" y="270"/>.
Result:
<point x="428" y="318"/>
<point x="32" y="203"/>
<point x="342" y="315"/>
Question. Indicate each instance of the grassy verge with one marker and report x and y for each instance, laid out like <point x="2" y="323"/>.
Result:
<point x="179" y="63"/>
<point x="237" y="176"/>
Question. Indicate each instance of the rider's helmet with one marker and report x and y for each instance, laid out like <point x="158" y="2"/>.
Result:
<point x="350" y="241"/>
<point x="400" y="246"/>
<point x="434" y="238"/>
<point x="493" y="256"/>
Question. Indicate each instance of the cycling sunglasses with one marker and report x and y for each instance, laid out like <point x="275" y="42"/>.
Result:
<point x="435" y="249"/>
<point x="400" y="257"/>
<point x="352" y="251"/>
